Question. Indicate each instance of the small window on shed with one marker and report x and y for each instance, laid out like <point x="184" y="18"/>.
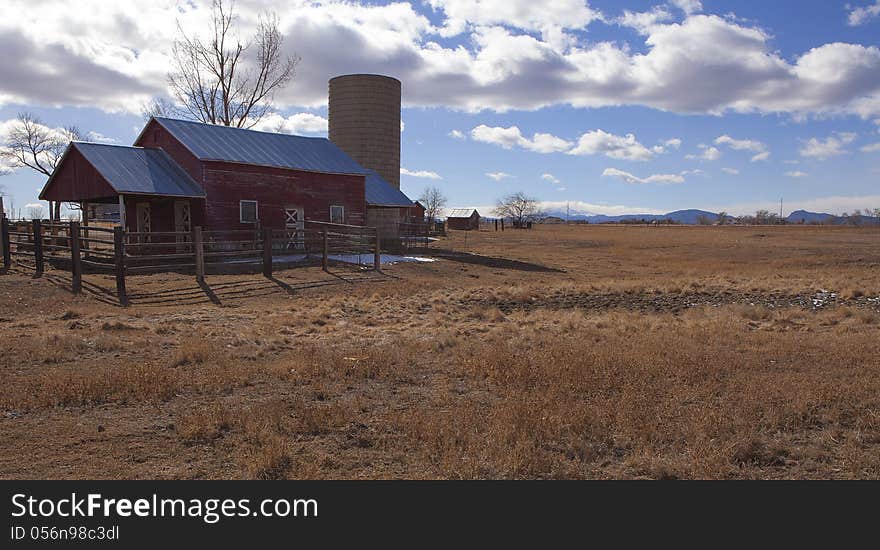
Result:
<point x="248" y="211"/>
<point x="337" y="214"/>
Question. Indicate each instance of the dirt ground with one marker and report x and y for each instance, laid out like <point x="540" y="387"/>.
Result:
<point x="560" y="352"/>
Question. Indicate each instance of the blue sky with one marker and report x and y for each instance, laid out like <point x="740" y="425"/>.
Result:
<point x="610" y="107"/>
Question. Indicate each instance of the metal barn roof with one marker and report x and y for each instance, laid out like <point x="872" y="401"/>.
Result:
<point x="461" y="213"/>
<point x="381" y="193"/>
<point x="313" y="154"/>
<point x="139" y="171"/>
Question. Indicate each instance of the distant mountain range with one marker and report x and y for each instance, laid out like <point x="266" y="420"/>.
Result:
<point x="693" y="216"/>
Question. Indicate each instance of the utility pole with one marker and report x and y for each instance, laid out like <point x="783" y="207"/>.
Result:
<point x="567" y="213"/>
<point x="780" y="208"/>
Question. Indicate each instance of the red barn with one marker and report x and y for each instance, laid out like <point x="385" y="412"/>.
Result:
<point x="463" y="219"/>
<point x="180" y="174"/>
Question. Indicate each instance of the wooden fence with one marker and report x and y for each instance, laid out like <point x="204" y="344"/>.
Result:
<point x="76" y="248"/>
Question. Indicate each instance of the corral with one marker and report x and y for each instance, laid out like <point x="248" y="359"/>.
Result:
<point x="618" y="352"/>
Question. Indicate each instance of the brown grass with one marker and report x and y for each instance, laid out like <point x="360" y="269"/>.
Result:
<point x="649" y="353"/>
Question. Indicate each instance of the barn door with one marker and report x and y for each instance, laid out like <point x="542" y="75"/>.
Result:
<point x="144" y="221"/>
<point x="182" y="224"/>
<point x="294" y="225"/>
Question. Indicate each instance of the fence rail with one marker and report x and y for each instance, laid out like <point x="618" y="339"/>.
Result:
<point x="77" y="248"/>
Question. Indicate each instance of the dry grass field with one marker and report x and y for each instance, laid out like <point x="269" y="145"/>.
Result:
<point x="561" y="352"/>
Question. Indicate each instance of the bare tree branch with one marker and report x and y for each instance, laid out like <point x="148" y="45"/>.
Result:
<point x="32" y="144"/>
<point x="434" y="202"/>
<point x="216" y="82"/>
<point x="518" y="208"/>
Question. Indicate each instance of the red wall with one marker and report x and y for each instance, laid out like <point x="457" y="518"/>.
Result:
<point x="275" y="188"/>
<point x="227" y="183"/>
<point x="77" y="180"/>
<point x="155" y="135"/>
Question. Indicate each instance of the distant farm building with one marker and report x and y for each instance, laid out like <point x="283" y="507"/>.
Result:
<point x="463" y="219"/>
<point x="417" y="212"/>
<point x="180" y="174"/>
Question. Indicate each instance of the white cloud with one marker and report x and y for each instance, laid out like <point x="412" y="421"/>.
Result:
<point x="550" y="19"/>
<point x="731" y="171"/>
<point x="831" y="146"/>
<point x="512" y="137"/>
<point x="644" y="21"/>
<point x="709" y="153"/>
<point x="741" y="144"/>
<point x="498" y="176"/>
<point x="872" y="148"/>
<point x="101" y="138"/>
<point x="674" y="143"/>
<point x="862" y="14"/>
<point x="688" y="6"/>
<point x="420" y="174"/>
<point x="457" y="134"/>
<point x="757" y="147"/>
<point x="509" y="55"/>
<point x="550" y="177"/>
<point x="299" y="123"/>
<point x="629" y="178"/>
<point x="612" y="146"/>
<point x="796" y="174"/>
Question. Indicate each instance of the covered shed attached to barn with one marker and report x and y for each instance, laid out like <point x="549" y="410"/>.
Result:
<point x="181" y="174"/>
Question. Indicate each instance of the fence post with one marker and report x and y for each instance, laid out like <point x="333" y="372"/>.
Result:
<point x="267" y="252"/>
<point x="199" y="250"/>
<point x="75" y="259"/>
<point x="324" y="251"/>
<point x="119" y="252"/>
<point x="377" y="254"/>
<point x="4" y="242"/>
<point x="38" y="247"/>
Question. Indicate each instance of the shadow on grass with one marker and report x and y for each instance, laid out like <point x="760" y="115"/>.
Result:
<point x="489" y="261"/>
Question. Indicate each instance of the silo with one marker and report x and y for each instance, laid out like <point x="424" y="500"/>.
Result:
<point x="364" y="121"/>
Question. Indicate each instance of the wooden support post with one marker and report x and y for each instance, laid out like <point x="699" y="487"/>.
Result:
<point x="4" y="237"/>
<point x="199" y="250"/>
<point x="85" y="223"/>
<point x="324" y="250"/>
<point x="267" y="252"/>
<point x="38" y="247"/>
<point x="377" y="254"/>
<point x="122" y="212"/>
<point x="75" y="259"/>
<point x="119" y="252"/>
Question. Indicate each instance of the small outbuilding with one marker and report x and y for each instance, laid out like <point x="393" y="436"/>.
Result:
<point x="463" y="219"/>
<point x="417" y="212"/>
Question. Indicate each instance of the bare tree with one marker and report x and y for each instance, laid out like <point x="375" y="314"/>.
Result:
<point x="434" y="202"/>
<point x="158" y="106"/>
<point x="215" y="82"/>
<point x="32" y="144"/>
<point x="35" y="212"/>
<point x="518" y="208"/>
<point x="722" y="217"/>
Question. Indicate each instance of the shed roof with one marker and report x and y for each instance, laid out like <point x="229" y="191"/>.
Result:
<point x="313" y="154"/>
<point x="139" y="171"/>
<point x="462" y="213"/>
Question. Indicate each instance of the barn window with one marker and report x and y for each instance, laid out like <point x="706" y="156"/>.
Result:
<point x="248" y="211"/>
<point x="337" y="214"/>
